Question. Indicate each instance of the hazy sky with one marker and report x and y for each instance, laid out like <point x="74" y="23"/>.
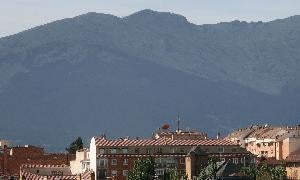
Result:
<point x="19" y="15"/>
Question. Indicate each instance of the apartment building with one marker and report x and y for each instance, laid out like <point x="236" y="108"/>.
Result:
<point x="113" y="158"/>
<point x="268" y="141"/>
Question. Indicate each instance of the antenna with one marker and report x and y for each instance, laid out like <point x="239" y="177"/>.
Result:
<point x="178" y="122"/>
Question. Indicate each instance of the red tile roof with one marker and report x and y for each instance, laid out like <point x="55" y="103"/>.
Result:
<point x="42" y="166"/>
<point x="32" y="176"/>
<point x="160" y="142"/>
<point x="87" y="175"/>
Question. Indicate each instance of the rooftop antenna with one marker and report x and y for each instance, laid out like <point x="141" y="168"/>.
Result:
<point x="178" y="121"/>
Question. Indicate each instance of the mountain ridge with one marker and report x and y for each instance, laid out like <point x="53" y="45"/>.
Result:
<point x="79" y="74"/>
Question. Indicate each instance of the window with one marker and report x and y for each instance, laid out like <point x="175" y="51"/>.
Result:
<point x="235" y="160"/>
<point x="233" y="149"/>
<point x="182" y="172"/>
<point x="270" y="144"/>
<point x="159" y="171"/>
<point x="114" y="172"/>
<point x="113" y="162"/>
<point x="125" y="162"/>
<point x="102" y="163"/>
<point x="220" y="149"/>
<point x="182" y="150"/>
<point x="136" y="150"/>
<point x="148" y="150"/>
<point x="182" y="161"/>
<point x="125" y="172"/>
<point x="57" y="173"/>
<point x="101" y="151"/>
<point x="242" y="159"/>
<point x="159" y="150"/>
<point x="223" y="159"/>
<point x="113" y="151"/>
<point x="258" y="144"/>
<point x="125" y="151"/>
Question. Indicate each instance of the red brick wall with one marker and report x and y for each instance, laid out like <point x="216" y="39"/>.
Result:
<point x="10" y="165"/>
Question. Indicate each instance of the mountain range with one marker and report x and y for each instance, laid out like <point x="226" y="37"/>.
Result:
<point x="101" y="74"/>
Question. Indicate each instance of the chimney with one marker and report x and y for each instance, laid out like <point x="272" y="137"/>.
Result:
<point x="218" y="135"/>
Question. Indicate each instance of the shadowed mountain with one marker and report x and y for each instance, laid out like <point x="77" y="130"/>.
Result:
<point x="97" y="73"/>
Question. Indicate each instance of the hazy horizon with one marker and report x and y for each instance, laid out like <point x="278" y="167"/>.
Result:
<point x="17" y="15"/>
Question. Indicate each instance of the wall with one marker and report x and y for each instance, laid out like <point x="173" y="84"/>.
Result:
<point x="12" y="159"/>
<point x="290" y="145"/>
<point x="47" y="171"/>
<point x="93" y="156"/>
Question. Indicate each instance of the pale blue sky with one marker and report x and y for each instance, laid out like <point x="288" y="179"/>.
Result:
<point x="19" y="15"/>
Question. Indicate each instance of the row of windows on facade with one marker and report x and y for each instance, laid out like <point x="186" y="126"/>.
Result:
<point x="158" y="150"/>
<point x="136" y="150"/>
<point x="115" y="172"/>
<point x="157" y="172"/>
<point x="260" y="144"/>
<point x="104" y="162"/>
<point x="236" y="160"/>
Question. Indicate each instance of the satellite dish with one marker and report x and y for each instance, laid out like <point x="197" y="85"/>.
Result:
<point x="165" y="127"/>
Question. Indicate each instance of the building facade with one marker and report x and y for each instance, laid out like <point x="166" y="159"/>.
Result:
<point x="114" y="158"/>
<point x="268" y="141"/>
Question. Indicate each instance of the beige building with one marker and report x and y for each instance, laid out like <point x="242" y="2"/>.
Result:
<point x="268" y="141"/>
<point x="46" y="172"/>
<point x="82" y="162"/>
<point x="30" y="171"/>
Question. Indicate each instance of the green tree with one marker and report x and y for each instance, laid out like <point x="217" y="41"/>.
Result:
<point x="278" y="173"/>
<point x="250" y="172"/>
<point x="202" y="175"/>
<point x="143" y="169"/>
<point x="171" y="174"/>
<point x="266" y="173"/>
<point x="77" y="144"/>
<point x="209" y="171"/>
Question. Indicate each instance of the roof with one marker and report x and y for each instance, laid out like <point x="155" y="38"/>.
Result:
<point x="241" y="133"/>
<point x="160" y="142"/>
<point x="294" y="156"/>
<point x="87" y="174"/>
<point x="226" y="168"/>
<point x="42" y="166"/>
<point x="197" y="150"/>
<point x="269" y="132"/>
<point x="32" y="176"/>
<point x="24" y="172"/>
